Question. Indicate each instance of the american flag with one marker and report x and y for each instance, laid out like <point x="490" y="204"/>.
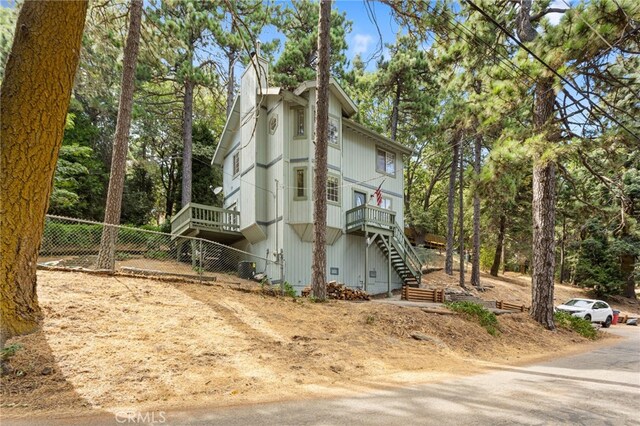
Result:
<point x="378" y="194"/>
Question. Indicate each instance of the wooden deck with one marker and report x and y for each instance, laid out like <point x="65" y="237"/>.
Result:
<point x="212" y="223"/>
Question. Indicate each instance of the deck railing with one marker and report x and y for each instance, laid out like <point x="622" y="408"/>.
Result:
<point x="411" y="258"/>
<point x="200" y="216"/>
<point x="370" y="215"/>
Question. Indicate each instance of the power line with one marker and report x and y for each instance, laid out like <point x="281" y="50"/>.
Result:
<point x="550" y="68"/>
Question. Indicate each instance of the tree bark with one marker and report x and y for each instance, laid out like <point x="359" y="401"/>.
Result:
<point x="455" y="146"/>
<point x="627" y="265"/>
<point x="106" y="256"/>
<point x="562" y="249"/>
<point x="495" y="267"/>
<point x="461" y="218"/>
<point x="544" y="198"/>
<point x="35" y="97"/>
<point x="475" y="260"/>
<point x="319" y="266"/>
<point x="395" y="111"/>
<point x="231" y="81"/>
<point x="187" y="138"/>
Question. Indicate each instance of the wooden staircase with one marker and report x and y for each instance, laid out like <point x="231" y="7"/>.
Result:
<point x="404" y="259"/>
<point x="380" y="224"/>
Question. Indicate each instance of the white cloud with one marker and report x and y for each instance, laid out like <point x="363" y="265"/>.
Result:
<point x="361" y="43"/>
<point x="554" y="18"/>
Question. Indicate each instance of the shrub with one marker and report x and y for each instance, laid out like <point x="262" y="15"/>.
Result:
<point x="9" y="351"/>
<point x="579" y="325"/>
<point x="486" y="318"/>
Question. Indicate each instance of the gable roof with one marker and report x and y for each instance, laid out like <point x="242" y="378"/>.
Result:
<point x="230" y="127"/>
<point x="348" y="106"/>
<point x="383" y="140"/>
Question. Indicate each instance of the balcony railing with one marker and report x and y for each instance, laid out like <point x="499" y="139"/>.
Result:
<point x="372" y="216"/>
<point x="205" y="218"/>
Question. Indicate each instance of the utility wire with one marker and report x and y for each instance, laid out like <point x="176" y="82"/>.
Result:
<point x="550" y="68"/>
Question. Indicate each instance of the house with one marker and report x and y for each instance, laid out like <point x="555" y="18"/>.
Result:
<point x="266" y="152"/>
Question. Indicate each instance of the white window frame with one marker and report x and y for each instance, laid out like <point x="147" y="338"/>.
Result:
<point x="305" y="189"/>
<point x="387" y="154"/>
<point x="296" y="123"/>
<point x="235" y="160"/>
<point x="337" y="143"/>
<point x="337" y="179"/>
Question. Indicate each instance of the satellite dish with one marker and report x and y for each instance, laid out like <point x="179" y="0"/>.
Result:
<point x="217" y="190"/>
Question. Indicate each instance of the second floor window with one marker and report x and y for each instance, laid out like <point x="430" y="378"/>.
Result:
<point x="333" y="184"/>
<point x="301" y="183"/>
<point x="298" y="121"/>
<point x="385" y="162"/>
<point x="236" y="163"/>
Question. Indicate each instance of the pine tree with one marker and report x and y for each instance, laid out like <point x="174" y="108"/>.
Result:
<point x="106" y="256"/>
<point x="34" y="96"/>
<point x="297" y="62"/>
<point x="319" y="265"/>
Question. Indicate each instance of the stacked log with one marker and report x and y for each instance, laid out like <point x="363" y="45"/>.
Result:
<point x="339" y="291"/>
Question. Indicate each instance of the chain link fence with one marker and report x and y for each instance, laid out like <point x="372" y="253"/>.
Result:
<point x="76" y="244"/>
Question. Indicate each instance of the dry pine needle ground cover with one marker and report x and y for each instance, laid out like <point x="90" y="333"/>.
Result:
<point x="114" y="343"/>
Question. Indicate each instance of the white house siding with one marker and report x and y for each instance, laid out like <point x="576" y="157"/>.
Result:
<point x="360" y="171"/>
<point x="347" y="254"/>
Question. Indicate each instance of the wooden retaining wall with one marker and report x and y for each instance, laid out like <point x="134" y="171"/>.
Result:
<point x="422" y="294"/>
<point x="501" y="304"/>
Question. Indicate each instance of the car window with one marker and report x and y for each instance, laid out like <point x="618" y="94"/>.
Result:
<point x="600" y="305"/>
<point x="578" y="303"/>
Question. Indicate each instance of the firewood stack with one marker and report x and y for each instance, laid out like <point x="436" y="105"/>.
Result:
<point x="339" y="291"/>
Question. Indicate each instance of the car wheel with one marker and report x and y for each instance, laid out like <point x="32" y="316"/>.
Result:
<point x="587" y="317"/>
<point x="607" y="323"/>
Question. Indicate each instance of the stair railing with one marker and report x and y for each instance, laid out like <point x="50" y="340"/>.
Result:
<point x="407" y="252"/>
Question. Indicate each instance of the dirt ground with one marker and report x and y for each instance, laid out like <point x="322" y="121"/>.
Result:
<point x="516" y="288"/>
<point x="121" y="343"/>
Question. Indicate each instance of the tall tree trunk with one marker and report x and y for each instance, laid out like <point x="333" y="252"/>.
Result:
<point x="106" y="256"/>
<point x="395" y="111"/>
<point x="455" y="148"/>
<point x="475" y="260"/>
<point x="231" y="81"/>
<point x="35" y="97"/>
<point x="461" y="218"/>
<point x="562" y="249"/>
<point x="187" y="138"/>
<point x="544" y="201"/>
<point x="319" y="266"/>
<point x="495" y="267"/>
<point x="627" y="265"/>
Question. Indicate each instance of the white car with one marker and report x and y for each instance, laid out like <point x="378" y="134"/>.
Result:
<point x="589" y="309"/>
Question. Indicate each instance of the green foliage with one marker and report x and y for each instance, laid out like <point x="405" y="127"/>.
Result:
<point x="486" y="318"/>
<point x="9" y="351"/>
<point x="8" y="17"/>
<point x="81" y="176"/>
<point x="579" y="325"/>
<point x="299" y="23"/>
<point x="205" y="175"/>
<point x="138" y="198"/>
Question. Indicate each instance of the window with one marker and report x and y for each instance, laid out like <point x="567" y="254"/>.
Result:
<point x="333" y="184"/>
<point x="298" y="119"/>
<point x="385" y="162"/>
<point x="359" y="198"/>
<point x="300" y="176"/>
<point x="236" y="163"/>
<point x="386" y="203"/>
<point x="333" y="133"/>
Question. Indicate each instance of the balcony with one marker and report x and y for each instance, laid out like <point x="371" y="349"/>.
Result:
<point x="370" y="218"/>
<point x="211" y="223"/>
